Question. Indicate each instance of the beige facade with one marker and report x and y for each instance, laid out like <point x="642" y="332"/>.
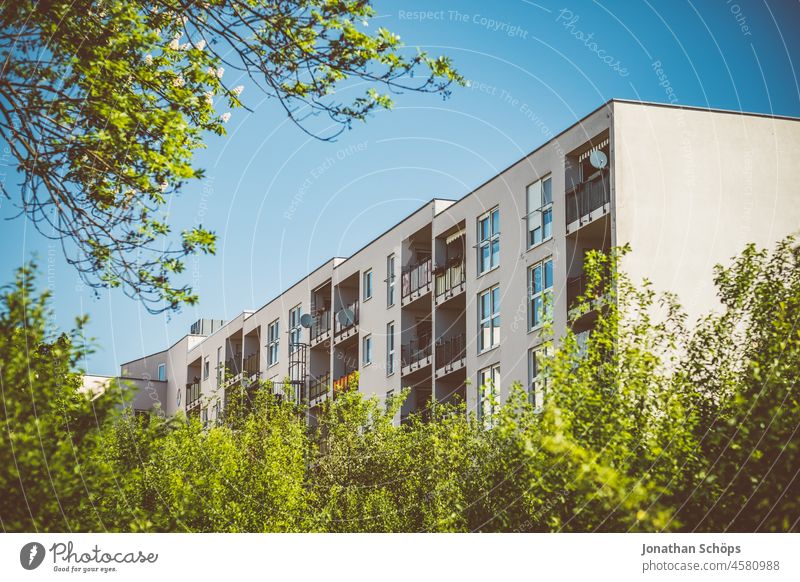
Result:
<point x="451" y="296"/>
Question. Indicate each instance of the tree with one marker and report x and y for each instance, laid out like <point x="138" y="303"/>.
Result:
<point x="49" y="432"/>
<point x="103" y="104"/>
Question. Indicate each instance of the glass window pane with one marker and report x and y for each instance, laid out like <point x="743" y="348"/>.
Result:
<point x="484" y="258"/>
<point x="547" y="191"/>
<point x="483" y="229"/>
<point x="537" y="279"/>
<point x="495" y="253"/>
<point x="547" y="219"/>
<point x="496" y="300"/>
<point x="495" y="221"/>
<point x="485" y="306"/>
<point x="548" y="274"/>
<point x="537" y="311"/>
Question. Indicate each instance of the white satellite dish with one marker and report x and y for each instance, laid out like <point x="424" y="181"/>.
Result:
<point x="346" y="317"/>
<point x="598" y="159"/>
<point x="306" y="320"/>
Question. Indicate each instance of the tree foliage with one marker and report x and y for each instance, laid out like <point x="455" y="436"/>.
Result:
<point x="103" y="104"/>
<point x="652" y="425"/>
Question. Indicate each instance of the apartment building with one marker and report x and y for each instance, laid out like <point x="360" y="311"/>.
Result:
<point x="453" y="296"/>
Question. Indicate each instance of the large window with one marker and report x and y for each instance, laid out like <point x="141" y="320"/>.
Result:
<point x="540" y="293"/>
<point x="295" y="329"/>
<point x="205" y="368"/>
<point x="488" y="393"/>
<point x="162" y="372"/>
<point x="537" y="381"/>
<point x="489" y="319"/>
<point x="366" y="284"/>
<point x="540" y="211"/>
<point x="273" y="342"/>
<point x="390" y="280"/>
<point x="390" y="349"/>
<point x="366" y="350"/>
<point x="489" y="240"/>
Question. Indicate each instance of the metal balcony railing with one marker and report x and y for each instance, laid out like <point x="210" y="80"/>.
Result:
<point x="415" y="351"/>
<point x="340" y="324"/>
<point x="451" y="350"/>
<point x="319" y="386"/>
<point x="586" y="197"/>
<point x="450" y="277"/>
<point x="416" y="277"/>
<point x="192" y="395"/>
<point x="321" y="325"/>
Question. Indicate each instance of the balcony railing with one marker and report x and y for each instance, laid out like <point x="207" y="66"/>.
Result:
<point x="451" y="351"/>
<point x="576" y="287"/>
<point x="586" y="197"/>
<point x="449" y="278"/>
<point x="321" y="325"/>
<point x="416" y="278"/>
<point x="342" y="325"/>
<point x="346" y="382"/>
<point x="319" y="386"/>
<point x="192" y="395"/>
<point x="251" y="366"/>
<point x="416" y="351"/>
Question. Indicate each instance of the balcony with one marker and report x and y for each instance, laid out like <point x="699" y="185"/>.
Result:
<point x="345" y="383"/>
<point x="416" y="281"/>
<point x="415" y="355"/>
<point x="451" y="354"/>
<point x="450" y="280"/>
<point x="318" y="387"/>
<point x="193" y="398"/>
<point x="346" y="327"/>
<point x="321" y="327"/>
<point x="588" y="200"/>
<point x="251" y="368"/>
<point x="577" y="287"/>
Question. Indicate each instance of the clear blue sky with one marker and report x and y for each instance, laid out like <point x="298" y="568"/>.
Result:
<point x="531" y="74"/>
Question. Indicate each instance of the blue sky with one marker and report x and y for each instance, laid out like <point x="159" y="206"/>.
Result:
<point x="283" y="203"/>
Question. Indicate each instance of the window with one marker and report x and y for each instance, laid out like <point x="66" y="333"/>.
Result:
<point x="489" y="319"/>
<point x="388" y="400"/>
<point x="204" y="416"/>
<point x="273" y="341"/>
<point x="390" y="280"/>
<point x="162" y="372"/>
<point x="220" y="367"/>
<point x="537" y="381"/>
<point x="489" y="240"/>
<point x="540" y="293"/>
<point x="540" y="211"/>
<point x="205" y="368"/>
<point x="295" y="329"/>
<point x="488" y="392"/>
<point x="366" y="284"/>
<point x="366" y="350"/>
<point x="390" y="349"/>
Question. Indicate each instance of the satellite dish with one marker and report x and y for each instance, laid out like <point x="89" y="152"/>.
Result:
<point x="346" y="317"/>
<point x="598" y="159"/>
<point x="306" y="320"/>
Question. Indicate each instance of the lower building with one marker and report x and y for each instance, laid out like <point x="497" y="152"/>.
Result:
<point x="453" y="296"/>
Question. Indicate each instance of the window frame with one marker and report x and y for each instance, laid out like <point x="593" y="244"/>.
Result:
<point x="366" y="350"/>
<point x="295" y="329"/>
<point x="492" y="374"/>
<point x="545" y="207"/>
<point x="162" y="377"/>
<point x="390" y="348"/>
<point x="538" y="316"/>
<point x="273" y="342"/>
<point x="391" y="280"/>
<point x="493" y="318"/>
<point x="492" y="242"/>
<point x="206" y="367"/>
<point x="366" y="285"/>
<point x="537" y="379"/>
